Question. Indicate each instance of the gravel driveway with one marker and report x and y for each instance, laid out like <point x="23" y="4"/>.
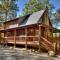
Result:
<point x="22" y="54"/>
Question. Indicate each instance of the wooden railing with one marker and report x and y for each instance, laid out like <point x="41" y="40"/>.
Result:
<point x="19" y="39"/>
<point x="32" y="40"/>
<point x="47" y="44"/>
<point x="56" y="43"/>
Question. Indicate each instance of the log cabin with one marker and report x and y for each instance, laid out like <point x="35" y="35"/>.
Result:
<point x="30" y="30"/>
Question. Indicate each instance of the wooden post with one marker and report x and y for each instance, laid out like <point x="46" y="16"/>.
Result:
<point x="14" y="38"/>
<point x="59" y="42"/>
<point x="26" y="38"/>
<point x="52" y="36"/>
<point x="55" y="43"/>
<point x="39" y="37"/>
<point x="5" y="35"/>
<point x="46" y="32"/>
<point x="55" y="48"/>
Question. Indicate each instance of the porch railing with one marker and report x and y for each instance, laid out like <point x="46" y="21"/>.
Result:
<point x="20" y="39"/>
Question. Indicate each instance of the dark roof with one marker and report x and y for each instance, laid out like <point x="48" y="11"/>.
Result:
<point x="30" y="18"/>
<point x="33" y="18"/>
<point x="21" y="18"/>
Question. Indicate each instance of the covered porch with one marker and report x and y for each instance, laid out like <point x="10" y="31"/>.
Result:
<point x="31" y="35"/>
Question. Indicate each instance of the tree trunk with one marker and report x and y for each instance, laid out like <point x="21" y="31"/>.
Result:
<point x="6" y="13"/>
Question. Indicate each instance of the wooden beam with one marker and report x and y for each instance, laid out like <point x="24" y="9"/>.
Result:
<point x="52" y="35"/>
<point x="59" y="46"/>
<point x="55" y="48"/>
<point x="26" y="38"/>
<point x="39" y="38"/>
<point x="14" y="38"/>
<point x="47" y="32"/>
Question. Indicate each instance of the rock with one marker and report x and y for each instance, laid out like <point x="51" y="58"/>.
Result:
<point x="51" y="53"/>
<point x="11" y="47"/>
<point x="36" y="52"/>
<point x="32" y="50"/>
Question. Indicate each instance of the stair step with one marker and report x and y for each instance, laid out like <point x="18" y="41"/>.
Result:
<point x="47" y="44"/>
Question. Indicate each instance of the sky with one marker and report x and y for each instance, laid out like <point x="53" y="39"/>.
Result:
<point x="56" y="3"/>
<point x="21" y="4"/>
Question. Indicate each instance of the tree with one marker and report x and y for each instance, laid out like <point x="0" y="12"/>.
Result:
<point x="58" y="10"/>
<point x="8" y="8"/>
<point x="32" y="6"/>
<point x="49" y="5"/>
<point x="1" y="19"/>
<point x="56" y="18"/>
<point x="36" y="5"/>
<point x="58" y="14"/>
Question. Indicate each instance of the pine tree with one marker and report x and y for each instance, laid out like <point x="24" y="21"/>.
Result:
<point x="8" y="9"/>
<point x="32" y="6"/>
<point x="58" y="14"/>
<point x="36" y="5"/>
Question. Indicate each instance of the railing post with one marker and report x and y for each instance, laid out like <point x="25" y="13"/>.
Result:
<point x="39" y="38"/>
<point x="26" y="38"/>
<point x="14" y="38"/>
<point x="59" y="42"/>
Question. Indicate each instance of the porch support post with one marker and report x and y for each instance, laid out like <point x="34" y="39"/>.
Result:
<point x="55" y="47"/>
<point x="14" y="38"/>
<point x="46" y="32"/>
<point x="39" y="38"/>
<point x="26" y="38"/>
<point x="52" y="35"/>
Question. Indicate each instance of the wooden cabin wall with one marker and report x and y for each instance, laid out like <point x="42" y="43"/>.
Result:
<point x="46" y="18"/>
<point x="9" y="36"/>
<point x="46" y="21"/>
<point x="11" y="23"/>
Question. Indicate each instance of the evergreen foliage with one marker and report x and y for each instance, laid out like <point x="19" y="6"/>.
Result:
<point x="36" y="5"/>
<point x="8" y="9"/>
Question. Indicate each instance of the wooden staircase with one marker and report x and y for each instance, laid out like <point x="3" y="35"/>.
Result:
<point x="47" y="44"/>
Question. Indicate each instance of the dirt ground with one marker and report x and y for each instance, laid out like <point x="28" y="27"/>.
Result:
<point x="9" y="53"/>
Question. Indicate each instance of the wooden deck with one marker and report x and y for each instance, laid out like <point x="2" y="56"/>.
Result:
<point x="31" y="40"/>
